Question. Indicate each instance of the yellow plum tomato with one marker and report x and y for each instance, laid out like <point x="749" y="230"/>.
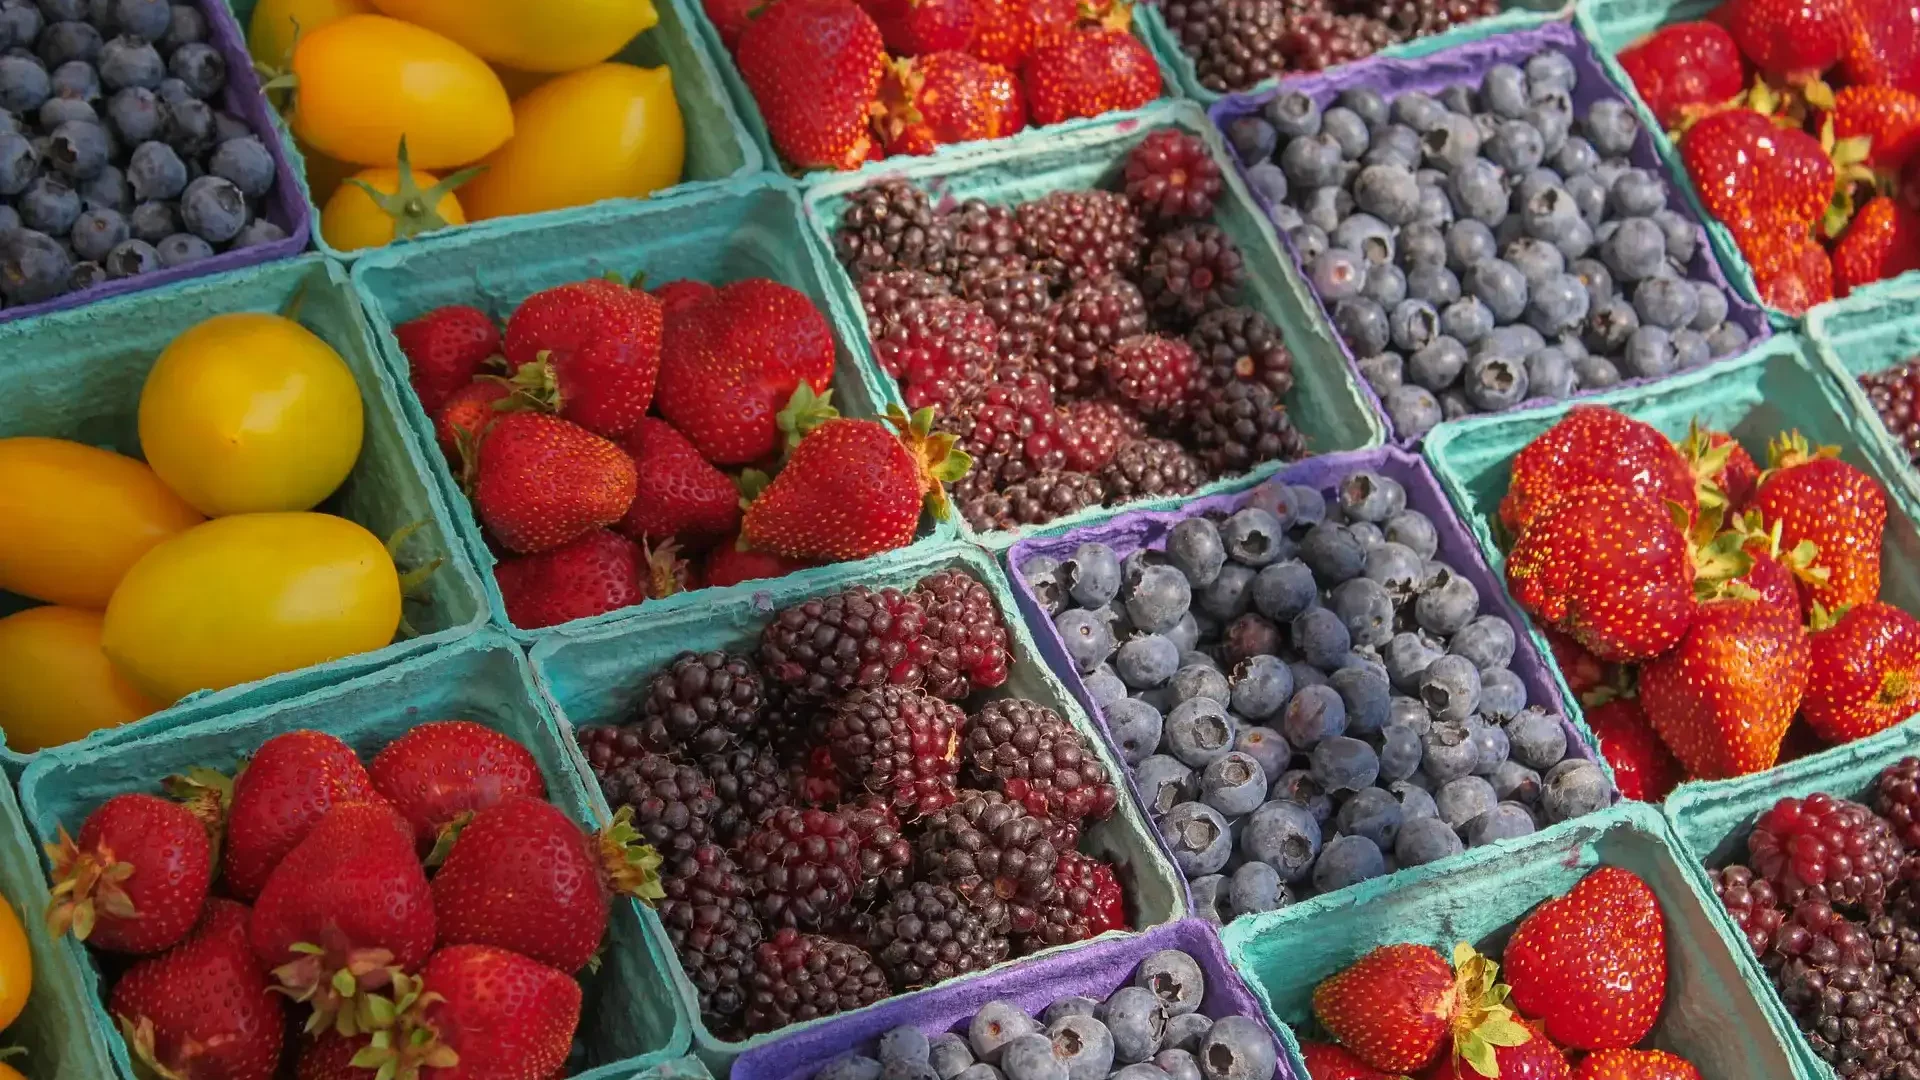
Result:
<point x="276" y="24"/>
<point x="552" y="35"/>
<point x="57" y="686"/>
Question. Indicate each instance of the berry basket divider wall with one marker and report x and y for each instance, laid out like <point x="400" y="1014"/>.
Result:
<point x="1864" y="334"/>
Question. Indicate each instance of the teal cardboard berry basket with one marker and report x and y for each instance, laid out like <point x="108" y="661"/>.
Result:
<point x="1777" y="388"/>
<point x="719" y="146"/>
<point x="1715" y="1015"/>
<point x="1865" y="334"/>
<point x="628" y="1023"/>
<point x="598" y="674"/>
<point x="78" y="374"/>
<point x="748" y="228"/>
<point x="1326" y="404"/>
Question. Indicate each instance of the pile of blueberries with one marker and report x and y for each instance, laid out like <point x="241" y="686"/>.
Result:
<point x="115" y="158"/>
<point x="1150" y="1029"/>
<point x="1476" y="250"/>
<point x="1308" y="696"/>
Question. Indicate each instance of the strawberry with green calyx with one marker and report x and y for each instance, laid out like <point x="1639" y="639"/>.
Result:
<point x="1884" y="47"/>
<point x="1397" y="1006"/>
<point x="601" y="571"/>
<point x="592" y="348"/>
<point x="1534" y="1059"/>
<point x="208" y="796"/>
<point x="813" y="68"/>
<point x="679" y="493"/>
<point x="202" y="1010"/>
<point x="1094" y="70"/>
<point x="1754" y="174"/>
<point x="679" y="295"/>
<point x="1814" y="496"/>
<point x="1643" y="768"/>
<point x="1592" y="965"/>
<point x="445" y="349"/>
<point x="286" y="788"/>
<point x="1886" y="117"/>
<point x="1777" y="574"/>
<point x="1723" y="472"/>
<point x="1594" y="446"/>
<point x="440" y="773"/>
<point x="415" y="210"/>
<point x="1881" y="241"/>
<point x="941" y="98"/>
<point x="1864" y="671"/>
<point x="464" y="418"/>
<point x="1723" y="697"/>
<point x="477" y="1013"/>
<point x="136" y="879"/>
<point x="1609" y="568"/>
<point x="542" y="482"/>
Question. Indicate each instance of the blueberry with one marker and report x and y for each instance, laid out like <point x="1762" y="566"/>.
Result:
<point x="201" y="67"/>
<point x="97" y="232"/>
<point x="1539" y="741"/>
<point x="1321" y="637"/>
<point x="1413" y="410"/>
<point x="1487" y="641"/>
<point x="147" y="19"/>
<point x="1417" y="110"/>
<point x="1082" y="1044"/>
<point x="1463" y="799"/>
<point x="1399" y="752"/>
<point x="1727" y="339"/>
<point x="1420" y="246"/>
<point x="1594" y="276"/>
<point x="1537" y="260"/>
<point x="1185" y="1031"/>
<point x="849" y="1067"/>
<point x="1558" y="305"/>
<point x="1293" y="115"/>
<point x="1553" y="214"/>
<point x="1284" y="589"/>
<point x="24" y="84"/>
<point x="1479" y="191"/>
<point x="1682" y="236"/>
<point x="1194" y="548"/>
<point x="1372" y="813"/>
<point x="994" y="1026"/>
<point x="1366" y="236"/>
<point x="156" y="172"/>
<point x="1285" y="835"/>
<point x="1450" y="687"/>
<point x="1229" y="595"/>
<point x="1516" y="146"/>
<point x="1314" y="713"/>
<point x="1332" y="553"/>
<point x="1164" y="783"/>
<point x="1336" y="275"/>
<point x="1573" y="788"/>
<point x="1649" y="353"/>
<point x="1490" y="744"/>
<point x="1552" y="117"/>
<point x="132" y="257"/>
<point x="1252" y="138"/>
<point x="1436" y="209"/>
<point x="1312" y="161"/>
<point x="1690" y="348"/>
<point x="18" y="164"/>
<point x="1364" y="691"/>
<point x="1199" y="732"/>
<point x="1146" y="661"/>
<point x="33" y="267"/>
<point x="1413" y="324"/>
<point x="1407" y="657"/>
<point x="66" y="41"/>
<point x="1550" y="374"/>
<point x="1500" y="286"/>
<point x="1438" y="365"/>
<point x="1088" y="639"/>
<point x="1386" y="285"/>
<point x="1137" y="1019"/>
<point x="1503" y="91"/>
<point x="1237" y="1048"/>
<point x="1092" y="575"/>
<point x="1409" y="713"/>
<point x="1031" y="1057"/>
<point x="1425" y="840"/>
<point x="1234" y="784"/>
<point x="106" y="190"/>
<point x="1448" y="752"/>
<point x="245" y="163"/>
<point x="1452" y="142"/>
<point x="1366" y="534"/>
<point x="1247" y="636"/>
<point x="1254" y="887"/>
<point x="1610" y="326"/>
<point x="78" y="148"/>
<point x="1611" y="127"/>
<point x="1347" y="860"/>
<point x="187" y="126"/>
<point x="1325" y="208"/>
<point x="950" y="1055"/>
<point x="1495" y="382"/>
<point x="1042" y="575"/>
<point x="1199" y="680"/>
<point x="1269" y="183"/>
<point x="1267" y="747"/>
<point x="49" y="205"/>
<point x="1635" y="250"/>
<point x="1366" y="610"/>
<point x="1667" y="302"/>
<point x="20" y="23"/>
<point x="1253" y="537"/>
<point x="1513" y="781"/>
<point x="903" y="1044"/>
<point x="1175" y="978"/>
<point x="1502" y="694"/>
<point x="1159" y="600"/>
<point x="1261" y="686"/>
<point x="1363" y="323"/>
<point x="1388" y="192"/>
<point x="1468" y="242"/>
<point x="1071" y="1005"/>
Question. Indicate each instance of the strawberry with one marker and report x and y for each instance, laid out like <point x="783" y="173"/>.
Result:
<point x="597" y="573"/>
<point x="727" y="564"/>
<point x="730" y="18"/>
<point x="1095" y="70"/>
<point x="1882" y="241"/>
<point x="1888" y="118"/>
<point x="480" y="1013"/>
<point x="202" y="1009"/>
<point x="944" y="97"/>
<point x="1753" y="174"/>
<point x="1791" y="270"/>
<point x="341" y="910"/>
<point x="465" y="417"/>
<point x="288" y="786"/>
<point x="854" y="488"/>
<point x="1793" y="40"/>
<point x="679" y="494"/>
<point x="1722" y="699"/>
<point x="1582" y="670"/>
<point x="681" y="294"/>
<point x="813" y="66"/>
<point x="591" y="347"/>
<point x="331" y="1057"/>
<point x="136" y="879"/>
<point x="1330" y="1061"/>
<point x="923" y="27"/>
<point x="1609" y="568"/>
<point x="1592" y="965"/>
<point x="664" y="572"/>
<point x="523" y="876"/>
<point x="1395" y="1007"/>
<point x="1777" y="573"/>
<point x="1883" y="48"/>
<point x="1636" y="1065"/>
<point x="732" y="365"/>
<point x="1864" y="671"/>
<point x="1535" y="1059"/>
<point x="444" y="771"/>
<point x="1002" y="32"/>
<point x="1724" y="473"/>
<point x="1813" y="495"/>
<point x="445" y="349"/>
<point x="1593" y="446"/>
<point x="1643" y="768"/>
<point x="1679" y="68"/>
<point x="542" y="482"/>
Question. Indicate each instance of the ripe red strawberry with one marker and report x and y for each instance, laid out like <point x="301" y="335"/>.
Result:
<point x="1722" y="699"/>
<point x="1002" y="32"/>
<point x="523" y="876"/>
<point x="1813" y="495"/>
<point x="1888" y="117"/>
<point x="289" y="785"/>
<point x="1396" y="1007"/>
<point x="445" y="349"/>
<point x="939" y="98"/>
<point x="593" y="347"/>
<point x="1793" y="40"/>
<point x="1778" y="572"/>
<point x="1330" y="1061"/>
<point x="1883" y="48"/>
<point x="854" y="488"/>
<point x="465" y="417"/>
<point x="202" y="1009"/>
<point x="728" y="565"/>
<point x="1535" y="1059"/>
<point x="677" y="296"/>
<point x="1791" y="270"/>
<point x="136" y="879"/>
<point x="1594" y="446"/>
<point x="1882" y="241"/>
<point x="1582" y="670"/>
<point x="730" y="18"/>
<point x="597" y="573"/>
<point x="1724" y="473"/>
<point x="1643" y="768"/>
<point x="679" y="493"/>
<point x="1753" y="174"/>
<point x="331" y="1056"/>
<point x="1609" y="568"/>
<point x="921" y="27"/>
<point x="733" y="364"/>
<point x="1096" y="70"/>
<point x="1681" y="67"/>
<point x="813" y="67"/>
<point x="444" y="771"/>
<point x="343" y="908"/>
<point x="1592" y="965"/>
<point x="1864" y="671"/>
<point x="1008" y="98"/>
<point x="542" y="482"/>
<point x="480" y="1013"/>
<point x="1636" y="1065"/>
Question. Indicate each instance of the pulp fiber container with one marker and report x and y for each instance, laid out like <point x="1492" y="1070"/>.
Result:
<point x="1775" y="389"/>
<point x="628" y="1024"/>
<point x="719" y="234"/>
<point x="285" y="206"/>
<point x="1466" y="65"/>
<point x="718" y="145"/>
<point x="61" y="1039"/>
<point x="1714" y="1014"/>
<point x="1133" y="531"/>
<point x="597" y="674"/>
<point x="1094" y="971"/>
<point x="78" y="374"/>
<point x="1326" y="405"/>
<point x="1865" y="334"/>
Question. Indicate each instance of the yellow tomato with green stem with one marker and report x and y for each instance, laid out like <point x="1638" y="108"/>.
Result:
<point x="375" y="207"/>
<point x="56" y="686"/>
<point x="551" y="35"/>
<point x="610" y="131"/>
<point x="277" y="24"/>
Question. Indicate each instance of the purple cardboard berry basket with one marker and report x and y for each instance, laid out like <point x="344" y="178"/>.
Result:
<point x="1467" y="64"/>
<point x="285" y="205"/>
<point x="1127" y="533"/>
<point x="1094" y="970"/>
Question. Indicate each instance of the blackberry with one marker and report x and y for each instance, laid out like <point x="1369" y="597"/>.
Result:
<point x="1191" y="271"/>
<point x="1896" y="795"/>
<point x="1827" y="972"/>
<point x="1034" y="756"/>
<point x="799" y="977"/>
<point x="1078" y="235"/>
<point x="985" y="240"/>
<point x="701" y="703"/>
<point x="1033" y="501"/>
<point x="1827" y="849"/>
<point x="928" y="933"/>
<point x="1409" y="19"/>
<point x="1241" y="343"/>
<point x="804" y="866"/>
<point x="707" y="911"/>
<point x="1092" y="317"/>
<point x="994" y="853"/>
<point x="1240" y="425"/>
<point x="828" y="645"/>
<point x="899" y="743"/>
<point x="750" y="782"/>
<point x="1020" y="303"/>
<point x="673" y="803"/>
<point x="1092" y="430"/>
<point x="1317" y="40"/>
<point x="1236" y="44"/>
<point x="1088" y="903"/>
<point x="967" y="629"/>
<point x="937" y="348"/>
<point x="1170" y="177"/>
<point x="1153" y="374"/>
<point x="1010" y="428"/>
<point x="885" y="295"/>
<point x="1893" y="393"/>
<point x="1752" y="903"/>
<point x="890" y="226"/>
<point x="886" y="856"/>
<point x="1145" y="468"/>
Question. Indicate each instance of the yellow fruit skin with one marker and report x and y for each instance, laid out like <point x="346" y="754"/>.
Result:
<point x="8" y="1072"/>
<point x="270" y="33"/>
<point x="249" y="596"/>
<point x="350" y="220"/>
<point x="366" y="80"/>
<point x="249" y="413"/>
<point x="551" y="35"/>
<point x="76" y="517"/>
<point x="57" y="686"/>
<point x="16" y="965"/>
<point x="611" y="131"/>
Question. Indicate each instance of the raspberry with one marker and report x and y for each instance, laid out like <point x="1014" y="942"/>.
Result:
<point x="829" y="645"/>
<point x="1010" y="428"/>
<point x="899" y="743"/>
<point x="804" y="866"/>
<point x="708" y="915"/>
<point x="1823" y="848"/>
<point x="701" y="703"/>
<point x="1896" y="794"/>
<point x="673" y="804"/>
<point x="1752" y="903"/>
<point x="1037" y="759"/>
<point x="1092" y="317"/>
<point x="1151" y="373"/>
<point x="966" y="628"/>
<point x="928" y="933"/>
<point x="937" y="348"/>
<point x="1170" y="177"/>
<point x="1191" y="271"/>
<point x="883" y="296"/>
<point x="1077" y="235"/>
<point x="886" y="857"/>
<point x="1020" y="303"/>
<point x="985" y="239"/>
<point x="995" y="854"/>
<point x="1089" y="903"/>
<point x="1091" y="432"/>
<point x="800" y="977"/>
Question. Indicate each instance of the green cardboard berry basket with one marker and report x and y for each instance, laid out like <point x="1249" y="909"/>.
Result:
<point x="597" y="675"/>
<point x="1778" y="387"/>
<point x="719" y="146"/>
<point x="1867" y="333"/>
<point x="1716" y="1015"/>
<point x="78" y="374"/>
<point x="746" y="228"/>
<point x="628" y="1024"/>
<point x="1712" y="820"/>
<point x="1326" y="404"/>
